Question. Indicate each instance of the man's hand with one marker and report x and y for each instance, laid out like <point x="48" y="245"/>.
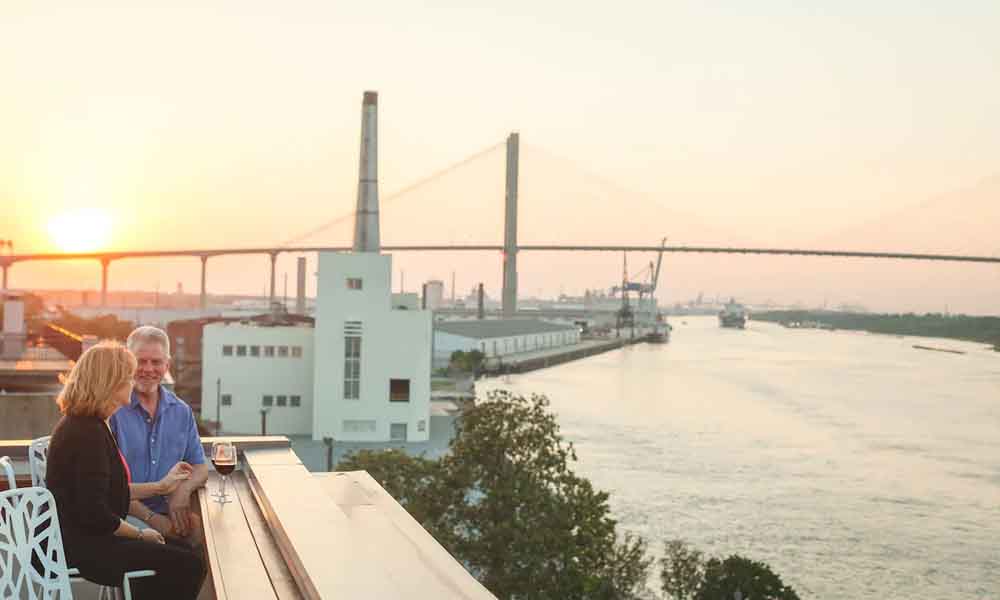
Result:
<point x="179" y="505"/>
<point x="177" y="474"/>
<point x="162" y="524"/>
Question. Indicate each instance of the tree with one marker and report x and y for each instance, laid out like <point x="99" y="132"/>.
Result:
<point x="682" y="570"/>
<point x="754" y="580"/>
<point x="105" y="327"/>
<point x="505" y="503"/>
<point x="467" y="361"/>
<point x="519" y="518"/>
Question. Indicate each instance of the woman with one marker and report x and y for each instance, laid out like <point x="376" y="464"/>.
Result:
<point x="89" y="479"/>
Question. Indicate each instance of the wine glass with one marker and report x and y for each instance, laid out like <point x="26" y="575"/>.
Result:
<point x="224" y="461"/>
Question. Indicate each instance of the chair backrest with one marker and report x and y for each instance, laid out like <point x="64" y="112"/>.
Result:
<point x="38" y="458"/>
<point x="8" y="470"/>
<point x="32" y="561"/>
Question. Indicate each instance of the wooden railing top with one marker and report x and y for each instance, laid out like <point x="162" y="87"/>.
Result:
<point x="18" y="449"/>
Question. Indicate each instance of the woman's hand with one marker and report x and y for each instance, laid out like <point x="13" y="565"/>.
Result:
<point x="151" y="536"/>
<point x="178" y="473"/>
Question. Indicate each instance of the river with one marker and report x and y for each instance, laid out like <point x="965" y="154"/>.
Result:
<point x="853" y="464"/>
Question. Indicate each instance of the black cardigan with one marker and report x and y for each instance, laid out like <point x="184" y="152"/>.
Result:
<point x="86" y="476"/>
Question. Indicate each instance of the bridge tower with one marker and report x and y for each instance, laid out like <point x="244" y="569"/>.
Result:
<point x="509" y="297"/>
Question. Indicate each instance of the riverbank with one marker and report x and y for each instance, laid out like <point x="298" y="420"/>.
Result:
<point x="984" y="330"/>
<point x="540" y="359"/>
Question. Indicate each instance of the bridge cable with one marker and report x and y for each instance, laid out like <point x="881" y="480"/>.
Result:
<point x="399" y="193"/>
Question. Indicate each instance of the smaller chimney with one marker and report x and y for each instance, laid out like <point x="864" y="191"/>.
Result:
<point x="300" y="286"/>
<point x="481" y="309"/>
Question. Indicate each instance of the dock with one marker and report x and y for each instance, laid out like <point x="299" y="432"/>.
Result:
<point x="548" y="357"/>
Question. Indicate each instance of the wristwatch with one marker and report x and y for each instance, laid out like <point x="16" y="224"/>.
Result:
<point x="141" y="532"/>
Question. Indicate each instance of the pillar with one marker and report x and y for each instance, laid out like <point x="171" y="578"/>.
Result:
<point x="203" y="301"/>
<point x="274" y="259"/>
<point x="104" y="281"/>
<point x="509" y="297"/>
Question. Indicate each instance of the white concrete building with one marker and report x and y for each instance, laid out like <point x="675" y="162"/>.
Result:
<point x="363" y="374"/>
<point x="248" y="367"/>
<point x="499" y="337"/>
<point x="373" y="362"/>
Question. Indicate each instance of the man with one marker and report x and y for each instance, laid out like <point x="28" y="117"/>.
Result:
<point x="155" y="432"/>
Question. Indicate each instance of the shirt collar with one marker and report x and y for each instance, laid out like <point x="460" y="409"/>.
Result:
<point x="167" y="398"/>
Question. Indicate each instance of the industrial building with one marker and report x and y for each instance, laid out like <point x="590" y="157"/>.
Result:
<point x="360" y="374"/>
<point x="433" y="294"/>
<point x="499" y="337"/>
<point x="258" y="373"/>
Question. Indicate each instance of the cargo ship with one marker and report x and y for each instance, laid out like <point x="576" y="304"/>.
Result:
<point x="734" y="315"/>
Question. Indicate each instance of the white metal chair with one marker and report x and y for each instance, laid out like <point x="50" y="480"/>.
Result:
<point x="8" y="470"/>
<point x="29" y="527"/>
<point x="38" y="457"/>
<point x="29" y="530"/>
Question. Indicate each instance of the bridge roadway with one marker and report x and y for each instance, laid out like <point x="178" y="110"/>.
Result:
<point x="105" y="258"/>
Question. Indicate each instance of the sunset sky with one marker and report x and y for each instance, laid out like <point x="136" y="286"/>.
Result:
<point x="844" y="124"/>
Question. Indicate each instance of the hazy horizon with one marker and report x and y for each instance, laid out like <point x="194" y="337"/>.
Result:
<point x="851" y="126"/>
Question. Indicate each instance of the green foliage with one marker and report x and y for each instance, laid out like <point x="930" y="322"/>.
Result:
<point x="959" y="327"/>
<point x="506" y="504"/>
<point x="682" y="570"/>
<point x="105" y="327"/>
<point x="467" y="361"/>
<point x="755" y="580"/>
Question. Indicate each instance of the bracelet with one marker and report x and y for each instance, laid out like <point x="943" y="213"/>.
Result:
<point x="140" y="534"/>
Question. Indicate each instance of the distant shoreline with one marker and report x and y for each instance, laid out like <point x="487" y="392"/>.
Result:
<point x="984" y="330"/>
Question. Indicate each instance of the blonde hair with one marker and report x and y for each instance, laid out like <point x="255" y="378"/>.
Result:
<point x="88" y="390"/>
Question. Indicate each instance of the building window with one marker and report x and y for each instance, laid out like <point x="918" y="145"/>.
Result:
<point x="399" y="390"/>
<point x="282" y="401"/>
<point x="282" y="351"/>
<point x="358" y="426"/>
<point x="352" y="367"/>
<point x="422" y="425"/>
<point x="227" y="399"/>
<point x="354" y="283"/>
<point x="482" y="347"/>
<point x="295" y="400"/>
<point x="397" y="432"/>
<point x="296" y="351"/>
<point x="254" y="350"/>
<point x="268" y="401"/>
<point x="269" y="351"/>
<point x="227" y="350"/>
<point x="241" y="350"/>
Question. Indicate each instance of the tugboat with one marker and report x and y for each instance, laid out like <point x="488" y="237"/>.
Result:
<point x="734" y="315"/>
<point x="661" y="331"/>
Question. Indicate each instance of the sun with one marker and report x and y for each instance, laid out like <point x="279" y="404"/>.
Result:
<point x="84" y="230"/>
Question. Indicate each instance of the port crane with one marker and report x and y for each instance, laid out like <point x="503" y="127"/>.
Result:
<point x="626" y="315"/>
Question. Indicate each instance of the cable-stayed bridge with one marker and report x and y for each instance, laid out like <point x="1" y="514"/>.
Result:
<point x="509" y="249"/>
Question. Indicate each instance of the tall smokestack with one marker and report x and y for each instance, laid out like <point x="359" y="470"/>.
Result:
<point x="300" y="286"/>
<point x="366" y="237"/>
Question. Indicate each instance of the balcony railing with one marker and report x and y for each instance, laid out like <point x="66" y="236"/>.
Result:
<point x="292" y="534"/>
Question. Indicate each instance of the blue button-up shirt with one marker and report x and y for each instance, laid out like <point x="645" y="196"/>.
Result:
<point x="153" y="444"/>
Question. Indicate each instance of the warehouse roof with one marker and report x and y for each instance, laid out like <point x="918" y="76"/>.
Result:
<point x="498" y="328"/>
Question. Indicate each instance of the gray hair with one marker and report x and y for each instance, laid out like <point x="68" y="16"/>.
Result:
<point x="148" y="333"/>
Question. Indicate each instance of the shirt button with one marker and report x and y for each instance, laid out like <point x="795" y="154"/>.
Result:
<point x="154" y="462"/>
